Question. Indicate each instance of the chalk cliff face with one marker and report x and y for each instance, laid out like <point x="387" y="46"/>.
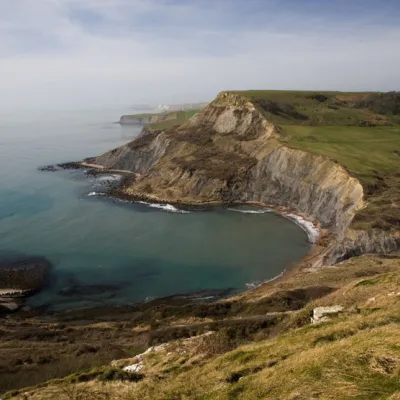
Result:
<point x="229" y="152"/>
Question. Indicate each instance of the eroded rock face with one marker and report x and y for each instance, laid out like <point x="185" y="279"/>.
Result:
<point x="136" y="156"/>
<point x="308" y="184"/>
<point x="26" y="274"/>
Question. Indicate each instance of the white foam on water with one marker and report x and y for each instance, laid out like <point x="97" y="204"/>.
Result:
<point x="250" y="211"/>
<point x="112" y="177"/>
<point x="256" y="284"/>
<point x="96" y="194"/>
<point x="309" y="227"/>
<point x="165" y="207"/>
<point x="253" y="285"/>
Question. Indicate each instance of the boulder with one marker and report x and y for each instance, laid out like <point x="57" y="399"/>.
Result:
<point x="23" y="276"/>
<point x="322" y="314"/>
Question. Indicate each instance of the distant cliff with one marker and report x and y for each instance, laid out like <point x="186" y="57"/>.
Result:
<point x="159" y="121"/>
<point x="141" y="119"/>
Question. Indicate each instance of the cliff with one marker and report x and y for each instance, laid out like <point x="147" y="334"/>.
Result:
<point x="232" y="152"/>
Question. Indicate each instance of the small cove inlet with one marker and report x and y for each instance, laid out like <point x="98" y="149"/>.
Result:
<point x="137" y="251"/>
<point x="107" y="252"/>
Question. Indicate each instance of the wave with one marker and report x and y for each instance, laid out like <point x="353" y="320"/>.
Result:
<point x="263" y="211"/>
<point x="256" y="284"/>
<point x="165" y="207"/>
<point x="253" y="285"/>
<point x="309" y="227"/>
<point x="113" y="177"/>
<point x="311" y="230"/>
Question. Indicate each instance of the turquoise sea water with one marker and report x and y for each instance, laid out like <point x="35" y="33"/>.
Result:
<point x="140" y="251"/>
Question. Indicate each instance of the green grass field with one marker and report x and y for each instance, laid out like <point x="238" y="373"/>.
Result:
<point x="365" y="152"/>
<point x="315" y="108"/>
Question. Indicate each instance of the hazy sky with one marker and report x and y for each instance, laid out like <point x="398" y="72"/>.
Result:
<point x="75" y="53"/>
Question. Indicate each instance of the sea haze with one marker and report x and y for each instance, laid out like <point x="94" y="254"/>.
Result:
<point x="110" y="252"/>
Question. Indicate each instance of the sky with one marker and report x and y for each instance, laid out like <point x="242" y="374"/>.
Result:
<point x="57" y="54"/>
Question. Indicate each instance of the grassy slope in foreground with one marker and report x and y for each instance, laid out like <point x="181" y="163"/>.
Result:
<point x="355" y="355"/>
<point x="347" y="128"/>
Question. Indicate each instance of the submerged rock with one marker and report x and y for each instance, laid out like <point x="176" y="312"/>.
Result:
<point x="82" y="289"/>
<point x="58" y="167"/>
<point x="49" y="168"/>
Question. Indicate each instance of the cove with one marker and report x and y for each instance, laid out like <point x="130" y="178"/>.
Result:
<point x="106" y="251"/>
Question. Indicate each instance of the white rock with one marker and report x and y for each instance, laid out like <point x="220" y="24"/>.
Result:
<point x="134" y="367"/>
<point x="321" y="314"/>
<point x="155" y="349"/>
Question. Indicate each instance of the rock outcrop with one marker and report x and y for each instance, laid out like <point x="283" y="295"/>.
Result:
<point x="20" y="278"/>
<point x="24" y="275"/>
<point x="323" y="314"/>
<point x="229" y="152"/>
<point x="357" y="242"/>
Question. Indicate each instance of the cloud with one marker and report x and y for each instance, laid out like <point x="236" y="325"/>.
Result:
<point x="70" y="53"/>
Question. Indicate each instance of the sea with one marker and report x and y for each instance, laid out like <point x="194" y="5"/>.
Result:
<point x="108" y="252"/>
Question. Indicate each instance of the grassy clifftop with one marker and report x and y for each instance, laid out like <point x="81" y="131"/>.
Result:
<point x="326" y="108"/>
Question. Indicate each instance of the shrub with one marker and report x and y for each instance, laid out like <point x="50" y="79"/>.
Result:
<point x="382" y="103"/>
